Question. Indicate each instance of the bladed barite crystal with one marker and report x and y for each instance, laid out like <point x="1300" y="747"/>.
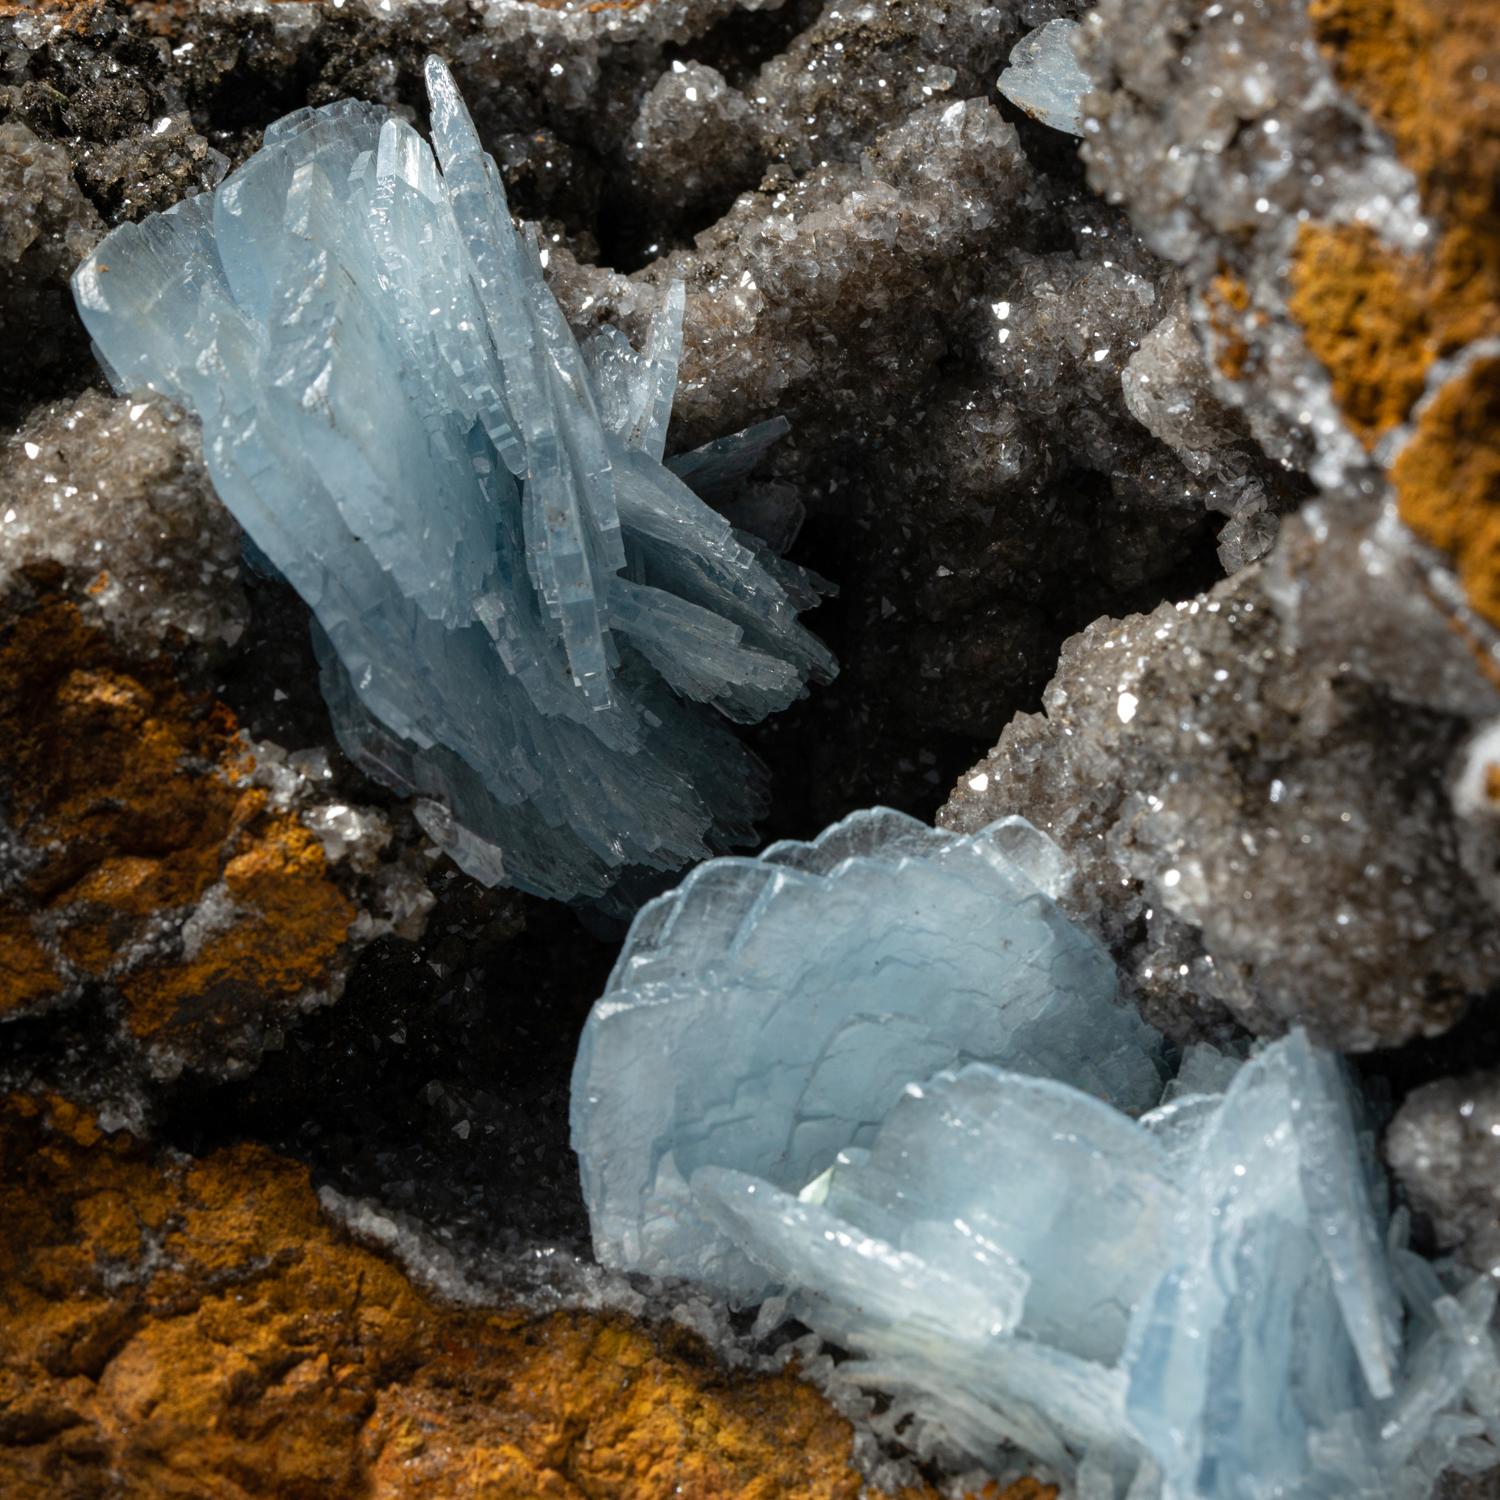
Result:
<point x="1044" y="77"/>
<point x="884" y="1076"/>
<point x="523" y="616"/>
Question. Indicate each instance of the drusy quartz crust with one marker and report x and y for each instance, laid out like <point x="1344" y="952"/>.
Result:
<point x="883" y="1078"/>
<point x="523" y="616"/>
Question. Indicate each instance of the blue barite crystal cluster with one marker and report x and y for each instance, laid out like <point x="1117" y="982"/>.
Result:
<point x="524" y="617"/>
<point x="882" y="1075"/>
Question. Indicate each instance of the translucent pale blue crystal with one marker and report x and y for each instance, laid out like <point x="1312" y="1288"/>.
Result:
<point x="1044" y="77"/>
<point x="523" y="616"/>
<point x="837" y="973"/>
<point x="882" y="1075"/>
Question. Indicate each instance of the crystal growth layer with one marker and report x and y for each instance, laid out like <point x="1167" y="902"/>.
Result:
<point x="882" y="1076"/>
<point x="524" y="617"/>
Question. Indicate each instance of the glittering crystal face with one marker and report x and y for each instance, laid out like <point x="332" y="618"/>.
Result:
<point x="523" y="615"/>
<point x="883" y="1076"/>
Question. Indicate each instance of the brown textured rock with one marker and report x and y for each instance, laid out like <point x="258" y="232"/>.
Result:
<point x="208" y="887"/>
<point x="171" y="1327"/>
<point x="1448" y="478"/>
<point x="129" y="805"/>
<point x="1429" y="72"/>
<point x="68" y="12"/>
<point x="1379" y="318"/>
<point x="1221" y="129"/>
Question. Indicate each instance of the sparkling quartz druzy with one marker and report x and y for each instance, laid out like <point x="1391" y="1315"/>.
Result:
<point x="883" y="1075"/>
<point x="523" y="616"/>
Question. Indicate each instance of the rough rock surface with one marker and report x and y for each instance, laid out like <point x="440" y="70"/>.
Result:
<point x="113" y="493"/>
<point x="149" y="849"/>
<point x="880" y="209"/>
<point x="206" y="887"/>
<point x="1324" y="174"/>
<point x="1313" y="778"/>
<point x="1223" y="132"/>
<point x="179" y="1326"/>
<point x="1260" y="806"/>
<point x="1427" y="74"/>
<point x="923" y="280"/>
<point x="995" y="308"/>
<point x="47" y="227"/>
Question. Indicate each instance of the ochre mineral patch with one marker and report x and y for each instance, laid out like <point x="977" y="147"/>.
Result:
<point x="1378" y="318"/>
<point x="66" y="12"/>
<point x="177" y="1327"/>
<point x="1022" y="1489"/>
<point x="1229" y="308"/>
<point x="127" y="799"/>
<point x="1448" y="477"/>
<point x="1428" y="71"/>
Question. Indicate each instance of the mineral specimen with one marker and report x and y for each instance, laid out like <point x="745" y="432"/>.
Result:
<point x="1223" y="133"/>
<point x="1257" y="787"/>
<point x="1444" y="1146"/>
<point x="513" y="594"/>
<point x="929" y="240"/>
<point x="1044" y="78"/>
<point x="112" y="493"/>
<point x="46" y="224"/>
<point x="883" y="1078"/>
<point x="1033" y="502"/>
<point x="175" y="889"/>
<point x="829" y="973"/>
<point x="1012" y="418"/>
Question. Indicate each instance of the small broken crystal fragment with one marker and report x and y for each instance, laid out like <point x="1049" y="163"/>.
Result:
<point x="1044" y="77"/>
<point x="525" y="618"/>
<point x="882" y="1078"/>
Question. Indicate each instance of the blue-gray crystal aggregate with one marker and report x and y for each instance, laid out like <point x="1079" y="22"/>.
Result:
<point x="523" y="616"/>
<point x="883" y="1077"/>
<point x="829" y="1012"/>
<point x="1045" y="78"/>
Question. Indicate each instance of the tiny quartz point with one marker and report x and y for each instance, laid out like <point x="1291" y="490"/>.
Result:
<point x="525" y="619"/>
<point x="1044" y="77"/>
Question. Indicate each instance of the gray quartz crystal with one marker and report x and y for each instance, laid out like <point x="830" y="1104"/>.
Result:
<point x="1256" y="786"/>
<point x="46" y="226"/>
<point x="113" y="489"/>
<point x="1220" y="128"/>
